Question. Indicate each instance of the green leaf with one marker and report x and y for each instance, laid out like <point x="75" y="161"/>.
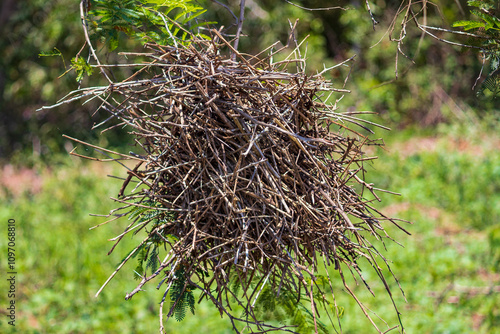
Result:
<point x="495" y="63"/>
<point x="81" y="67"/>
<point x="113" y="43"/>
<point x="468" y="25"/>
<point x="52" y="53"/>
<point x="144" y="20"/>
<point x="474" y="3"/>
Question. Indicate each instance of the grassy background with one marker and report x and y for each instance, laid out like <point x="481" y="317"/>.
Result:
<point x="450" y="185"/>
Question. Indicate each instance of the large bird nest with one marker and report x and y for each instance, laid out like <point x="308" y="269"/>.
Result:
<point x="243" y="172"/>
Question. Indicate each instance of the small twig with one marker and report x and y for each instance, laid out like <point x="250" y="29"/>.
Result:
<point x="240" y="27"/>
<point x="375" y="22"/>
<point x="84" y="25"/>
<point x="313" y="9"/>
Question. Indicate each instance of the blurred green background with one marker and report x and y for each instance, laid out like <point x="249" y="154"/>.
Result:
<point x="442" y="155"/>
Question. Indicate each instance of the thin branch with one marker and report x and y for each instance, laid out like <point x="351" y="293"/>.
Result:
<point x="314" y="9"/>
<point x="84" y="25"/>
<point x="374" y="22"/>
<point x="240" y="27"/>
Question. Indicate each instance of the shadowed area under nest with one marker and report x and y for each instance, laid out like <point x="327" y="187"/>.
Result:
<point x="243" y="172"/>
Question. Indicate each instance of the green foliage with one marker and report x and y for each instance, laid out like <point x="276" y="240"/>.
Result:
<point x="145" y="20"/>
<point x="286" y="309"/>
<point x="491" y="83"/>
<point x="81" y="67"/>
<point x="487" y="30"/>
<point x="486" y="12"/>
<point x="148" y="253"/>
<point x="79" y="64"/>
<point x="181" y="295"/>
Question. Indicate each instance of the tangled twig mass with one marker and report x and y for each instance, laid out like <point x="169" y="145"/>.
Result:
<point x="243" y="172"/>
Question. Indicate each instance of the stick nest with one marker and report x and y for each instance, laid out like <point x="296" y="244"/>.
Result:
<point x="244" y="173"/>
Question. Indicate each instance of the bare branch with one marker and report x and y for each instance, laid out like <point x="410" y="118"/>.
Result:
<point x="240" y="26"/>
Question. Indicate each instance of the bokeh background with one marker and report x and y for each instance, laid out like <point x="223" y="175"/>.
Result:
<point x="442" y="156"/>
